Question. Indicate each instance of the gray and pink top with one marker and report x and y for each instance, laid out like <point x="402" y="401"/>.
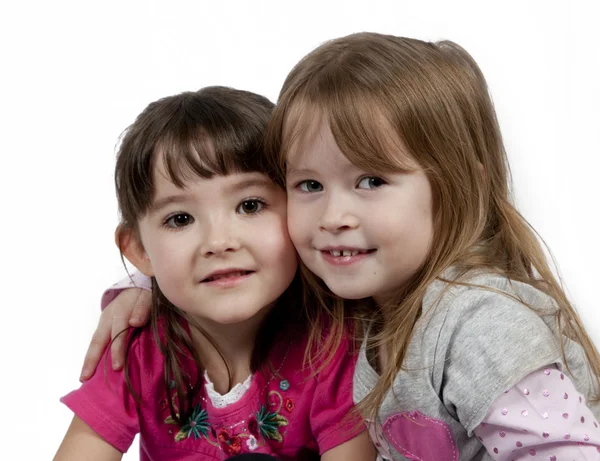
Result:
<point x="484" y="379"/>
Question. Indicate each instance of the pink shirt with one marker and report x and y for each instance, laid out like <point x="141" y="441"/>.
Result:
<point x="289" y="414"/>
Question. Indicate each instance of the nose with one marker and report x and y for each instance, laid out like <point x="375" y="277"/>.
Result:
<point x="218" y="237"/>
<point x="338" y="215"/>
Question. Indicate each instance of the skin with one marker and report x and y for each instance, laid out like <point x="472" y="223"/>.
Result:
<point x="236" y="223"/>
<point x="334" y="206"/>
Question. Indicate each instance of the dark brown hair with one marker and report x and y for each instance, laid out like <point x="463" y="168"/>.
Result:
<point x="214" y="131"/>
<point x="376" y="90"/>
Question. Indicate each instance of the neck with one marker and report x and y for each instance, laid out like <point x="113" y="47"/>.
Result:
<point x="235" y="342"/>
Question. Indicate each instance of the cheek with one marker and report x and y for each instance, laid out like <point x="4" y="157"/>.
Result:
<point x="299" y="223"/>
<point x="168" y="256"/>
<point x="275" y="243"/>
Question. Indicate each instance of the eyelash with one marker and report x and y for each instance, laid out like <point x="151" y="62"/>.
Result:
<point x="259" y="200"/>
<point x="383" y="181"/>
<point x="174" y="215"/>
<point x="299" y="184"/>
<point x="262" y="202"/>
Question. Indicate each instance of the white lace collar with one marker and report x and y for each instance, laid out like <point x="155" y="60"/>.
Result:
<point x="235" y="394"/>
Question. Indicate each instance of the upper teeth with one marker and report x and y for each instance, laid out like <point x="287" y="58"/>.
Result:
<point x="229" y="274"/>
<point x="344" y="252"/>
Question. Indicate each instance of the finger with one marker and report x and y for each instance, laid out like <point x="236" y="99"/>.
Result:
<point x="141" y="310"/>
<point x="117" y="348"/>
<point x="100" y="339"/>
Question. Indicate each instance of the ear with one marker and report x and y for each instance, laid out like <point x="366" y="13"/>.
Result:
<point x="131" y="247"/>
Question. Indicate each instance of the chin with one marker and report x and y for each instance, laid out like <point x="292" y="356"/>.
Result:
<point x="236" y="316"/>
<point x="349" y="291"/>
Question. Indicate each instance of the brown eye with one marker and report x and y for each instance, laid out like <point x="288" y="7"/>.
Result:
<point x="250" y="207"/>
<point x="179" y="220"/>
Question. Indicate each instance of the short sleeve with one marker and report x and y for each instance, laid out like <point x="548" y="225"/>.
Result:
<point x="137" y="280"/>
<point x="495" y="343"/>
<point x="105" y="403"/>
<point x="332" y="420"/>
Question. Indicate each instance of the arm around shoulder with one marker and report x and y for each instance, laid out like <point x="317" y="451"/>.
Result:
<point x="81" y="441"/>
<point x="360" y="448"/>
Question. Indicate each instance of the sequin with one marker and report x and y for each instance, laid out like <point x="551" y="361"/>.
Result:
<point x="545" y="415"/>
<point x="580" y="399"/>
<point x="284" y="385"/>
<point x="545" y="435"/>
<point x="504" y="411"/>
<point x="565" y="396"/>
<point x="545" y="393"/>
<point x="495" y="450"/>
<point x="532" y="452"/>
<point x="586" y="438"/>
<point x="595" y="424"/>
<point x="502" y="434"/>
<point x="567" y="436"/>
<point x="582" y="419"/>
<point x="547" y="372"/>
<point x="562" y="376"/>
<point x="524" y="413"/>
<point x="565" y="415"/>
<point x="526" y="391"/>
<point x="552" y="458"/>
<point x="519" y="444"/>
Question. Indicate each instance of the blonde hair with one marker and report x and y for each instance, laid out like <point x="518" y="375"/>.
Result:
<point x="374" y="90"/>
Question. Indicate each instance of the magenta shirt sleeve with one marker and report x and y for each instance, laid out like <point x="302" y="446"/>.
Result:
<point x="105" y="403"/>
<point x="541" y="417"/>
<point x="137" y="280"/>
<point x="331" y="419"/>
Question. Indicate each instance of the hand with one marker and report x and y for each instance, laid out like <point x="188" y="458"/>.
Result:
<point x="131" y="308"/>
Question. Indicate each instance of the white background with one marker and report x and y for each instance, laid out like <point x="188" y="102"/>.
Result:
<point x="75" y="74"/>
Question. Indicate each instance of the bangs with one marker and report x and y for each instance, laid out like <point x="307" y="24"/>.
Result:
<point x="190" y="153"/>
<point x="216" y="131"/>
<point x="360" y="125"/>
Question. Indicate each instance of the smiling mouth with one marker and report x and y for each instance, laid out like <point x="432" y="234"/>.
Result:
<point x="339" y="253"/>
<point x="228" y="275"/>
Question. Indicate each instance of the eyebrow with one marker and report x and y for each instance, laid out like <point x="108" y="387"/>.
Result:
<point x="169" y="200"/>
<point x="299" y="171"/>
<point x="235" y="187"/>
<point x="251" y="182"/>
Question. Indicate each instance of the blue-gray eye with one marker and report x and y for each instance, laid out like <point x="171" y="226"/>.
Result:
<point x="370" y="182"/>
<point x="310" y="186"/>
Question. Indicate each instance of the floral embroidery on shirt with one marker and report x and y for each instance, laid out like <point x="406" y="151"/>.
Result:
<point x="230" y="444"/>
<point x="262" y="426"/>
<point x="289" y="405"/>
<point x="268" y="424"/>
<point x="196" y="425"/>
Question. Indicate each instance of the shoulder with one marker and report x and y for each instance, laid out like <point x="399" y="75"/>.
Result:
<point x="485" y="332"/>
<point x="486" y="293"/>
<point x="467" y="309"/>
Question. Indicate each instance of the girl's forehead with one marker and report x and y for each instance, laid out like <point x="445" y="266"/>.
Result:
<point x="314" y="146"/>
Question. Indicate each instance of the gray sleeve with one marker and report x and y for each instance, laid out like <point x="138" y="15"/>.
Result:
<point x="495" y="342"/>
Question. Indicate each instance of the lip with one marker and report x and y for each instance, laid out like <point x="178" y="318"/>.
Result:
<point x="345" y="260"/>
<point x="227" y="281"/>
